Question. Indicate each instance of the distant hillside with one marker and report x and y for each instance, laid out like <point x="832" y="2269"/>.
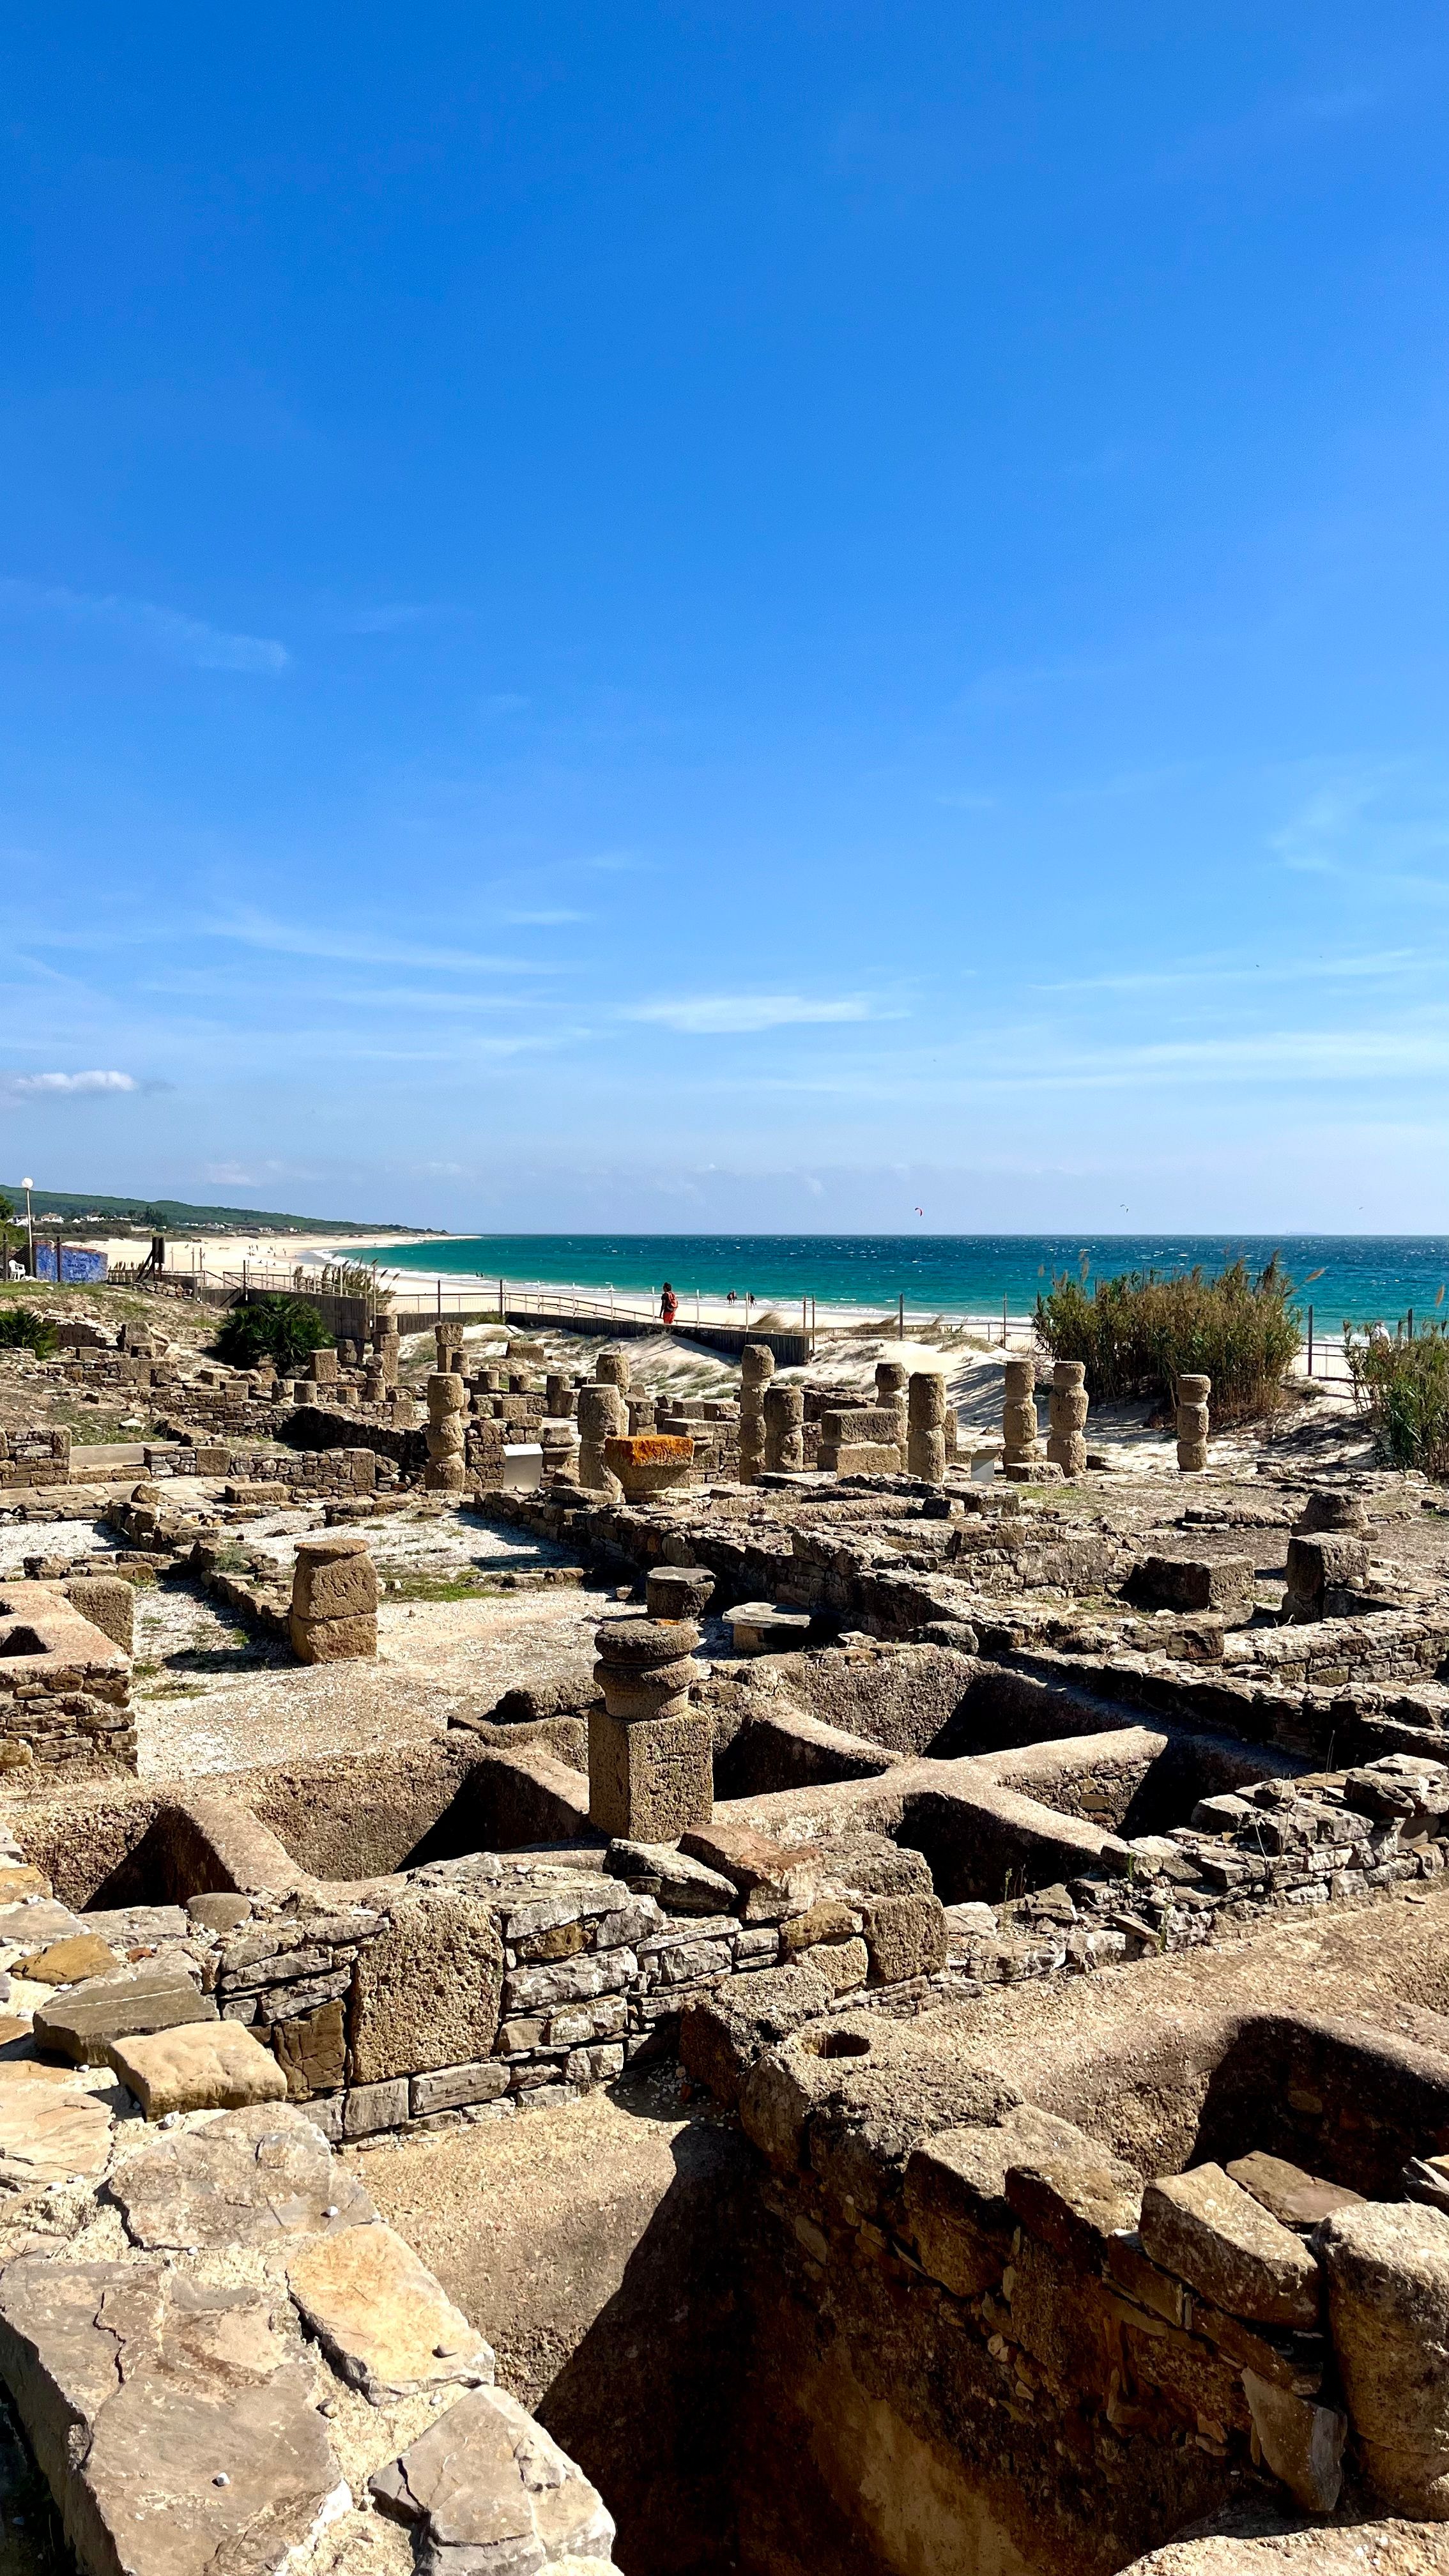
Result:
<point x="176" y="1215"/>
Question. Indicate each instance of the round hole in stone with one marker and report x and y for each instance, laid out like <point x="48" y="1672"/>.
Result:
<point x="837" y="2043"/>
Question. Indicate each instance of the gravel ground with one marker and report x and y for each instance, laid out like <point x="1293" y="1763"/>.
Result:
<point x="211" y="1695"/>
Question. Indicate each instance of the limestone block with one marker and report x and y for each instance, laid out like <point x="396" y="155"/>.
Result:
<point x="445" y="1476"/>
<point x="612" y="1369"/>
<point x="757" y="1364"/>
<point x="446" y="1394"/>
<point x="926" y="1400"/>
<point x="830" y="1920"/>
<point x="245" y="2179"/>
<point x="1223" y="1583"/>
<point x="843" y="1964"/>
<point x="1193" y="1422"/>
<point x="369" y="2108"/>
<point x="67" y="1963"/>
<point x="200" y="2066"/>
<point x="1216" y="2237"/>
<point x="333" y="1641"/>
<point x="1387" y="2266"/>
<point x="1019" y="1423"/>
<point x="333" y="1578"/>
<point x="1068" y="1450"/>
<point x="926" y="1455"/>
<point x="678" y="1591"/>
<point x="173" y="2423"/>
<point x="84" y="2023"/>
<point x="684" y="1886"/>
<point x="1019" y="1380"/>
<point x="905" y="1936"/>
<point x="48" y="2135"/>
<point x="955" y="2194"/>
<point x="427" y="1991"/>
<point x="1192" y="1456"/>
<point x="1075" y="2197"/>
<point x="1068" y="1407"/>
<point x="891" y="1378"/>
<point x="653" y="1780"/>
<point x="1192" y="1388"/>
<point x="311" y="2050"/>
<point x="109" y="1602"/>
<point x="450" y="2087"/>
<point x="1301" y="2442"/>
<point x="486" y="2487"/>
<point x="447" y="1439"/>
<point x="386" y="2325"/>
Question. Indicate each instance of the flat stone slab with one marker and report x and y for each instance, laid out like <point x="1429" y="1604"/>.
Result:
<point x="1293" y="2197"/>
<point x="244" y="2179"/>
<point x="202" y="2066"/>
<point x="127" y="1926"/>
<point x="1220" y="2240"/>
<point x="32" y="1922"/>
<point x="490" y="2488"/>
<point x="49" y="2135"/>
<point x="760" y="1628"/>
<point x="174" y="2426"/>
<point x="384" y="2323"/>
<point x="69" y="1962"/>
<point x="682" y="1885"/>
<point x="84" y="2023"/>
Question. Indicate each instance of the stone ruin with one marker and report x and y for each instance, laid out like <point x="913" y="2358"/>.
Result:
<point x="1022" y="1907"/>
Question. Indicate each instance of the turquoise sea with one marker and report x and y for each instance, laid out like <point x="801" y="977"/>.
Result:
<point x="1355" y="1279"/>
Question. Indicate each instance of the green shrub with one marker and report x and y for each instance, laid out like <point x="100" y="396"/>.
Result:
<point x="21" y="1329"/>
<point x="1138" y="1334"/>
<point x="281" y="1329"/>
<point x="1403" y="1387"/>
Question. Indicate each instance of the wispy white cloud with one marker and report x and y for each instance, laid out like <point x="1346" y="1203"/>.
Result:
<point x="62" y="1086"/>
<point x="739" y="1014"/>
<point x="191" y="640"/>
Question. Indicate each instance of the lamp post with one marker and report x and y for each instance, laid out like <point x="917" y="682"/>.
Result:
<point x="27" y="1187"/>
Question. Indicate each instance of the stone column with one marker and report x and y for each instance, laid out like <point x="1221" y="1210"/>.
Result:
<point x="334" y="1601"/>
<point x="757" y="1367"/>
<point x="386" y="1347"/>
<point x="601" y="1416"/>
<point x="651" y="1771"/>
<point x="611" y="1368"/>
<point x="1020" y="1447"/>
<point x="1192" y="1422"/>
<point x="785" y="1428"/>
<point x="892" y="1378"/>
<point x="446" y="1471"/>
<point x="374" y="1388"/>
<point x="558" y="1395"/>
<point x="1066" y="1441"/>
<point x="926" y="1419"/>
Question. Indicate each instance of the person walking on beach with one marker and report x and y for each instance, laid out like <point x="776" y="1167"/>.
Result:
<point x="668" y="1304"/>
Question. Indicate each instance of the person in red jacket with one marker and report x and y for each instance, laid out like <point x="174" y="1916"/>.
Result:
<point x="668" y="1304"/>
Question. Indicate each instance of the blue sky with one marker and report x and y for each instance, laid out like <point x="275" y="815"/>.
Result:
<point x="723" y="616"/>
